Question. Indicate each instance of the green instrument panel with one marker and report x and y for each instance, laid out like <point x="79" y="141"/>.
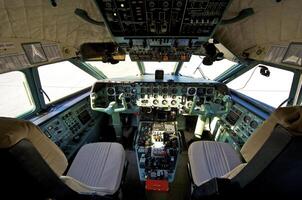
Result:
<point x="188" y="98"/>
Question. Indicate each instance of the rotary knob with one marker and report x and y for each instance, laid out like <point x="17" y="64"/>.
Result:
<point x="155" y="101"/>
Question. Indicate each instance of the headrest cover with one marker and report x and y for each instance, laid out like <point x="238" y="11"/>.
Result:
<point x="290" y="118"/>
<point x="14" y="130"/>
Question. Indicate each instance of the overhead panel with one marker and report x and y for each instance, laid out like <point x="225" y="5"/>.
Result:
<point x="162" y="30"/>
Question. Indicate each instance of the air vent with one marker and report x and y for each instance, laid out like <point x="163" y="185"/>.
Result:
<point x="13" y="62"/>
<point x="52" y="52"/>
<point x="275" y="54"/>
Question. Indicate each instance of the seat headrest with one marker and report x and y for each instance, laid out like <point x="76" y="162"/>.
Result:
<point x="14" y="130"/>
<point x="290" y="118"/>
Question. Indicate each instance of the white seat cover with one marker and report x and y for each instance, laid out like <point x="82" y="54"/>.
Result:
<point x="210" y="159"/>
<point x="99" y="166"/>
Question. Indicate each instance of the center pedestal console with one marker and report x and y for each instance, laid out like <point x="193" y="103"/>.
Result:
<point x="157" y="150"/>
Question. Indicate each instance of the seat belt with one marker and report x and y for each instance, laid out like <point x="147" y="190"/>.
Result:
<point x="273" y="146"/>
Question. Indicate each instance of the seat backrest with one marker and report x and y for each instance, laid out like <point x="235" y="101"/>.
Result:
<point x="288" y="117"/>
<point x="273" y="155"/>
<point x="282" y="177"/>
<point x="273" y="160"/>
<point x="30" y="162"/>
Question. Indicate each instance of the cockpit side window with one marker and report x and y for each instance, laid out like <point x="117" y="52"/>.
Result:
<point x="267" y="84"/>
<point x="16" y="99"/>
<point x="62" y="79"/>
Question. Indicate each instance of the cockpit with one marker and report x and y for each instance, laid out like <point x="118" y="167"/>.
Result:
<point x="157" y="99"/>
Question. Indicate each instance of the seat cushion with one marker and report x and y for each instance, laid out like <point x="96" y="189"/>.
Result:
<point x="210" y="159"/>
<point x="99" y="166"/>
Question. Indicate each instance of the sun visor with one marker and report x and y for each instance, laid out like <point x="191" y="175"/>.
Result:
<point x="285" y="55"/>
<point x="293" y="55"/>
<point x="31" y="55"/>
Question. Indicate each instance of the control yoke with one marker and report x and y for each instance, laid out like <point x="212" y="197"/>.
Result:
<point x="210" y="111"/>
<point x="112" y="107"/>
<point x="113" y="111"/>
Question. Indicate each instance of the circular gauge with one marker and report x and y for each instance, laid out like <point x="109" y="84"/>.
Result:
<point x="165" y="4"/>
<point x="254" y="124"/>
<point x="191" y="91"/>
<point x="247" y="119"/>
<point x="164" y="90"/>
<point x="174" y="90"/>
<point x="155" y="90"/>
<point x="201" y="91"/>
<point x="151" y="4"/>
<point x="179" y="4"/>
<point x="110" y="91"/>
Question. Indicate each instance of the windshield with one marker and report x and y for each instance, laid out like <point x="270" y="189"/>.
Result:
<point x="168" y="67"/>
<point x="196" y="69"/>
<point x="121" y="69"/>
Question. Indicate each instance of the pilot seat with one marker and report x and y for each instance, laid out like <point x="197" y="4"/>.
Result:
<point x="270" y="161"/>
<point x="33" y="167"/>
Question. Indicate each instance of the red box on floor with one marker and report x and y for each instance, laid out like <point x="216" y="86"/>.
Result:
<point x="157" y="185"/>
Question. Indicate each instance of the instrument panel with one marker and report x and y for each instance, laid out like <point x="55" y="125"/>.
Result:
<point x="162" y="30"/>
<point x="71" y="128"/>
<point x="162" y="17"/>
<point x="240" y="124"/>
<point x="157" y="150"/>
<point x="188" y="98"/>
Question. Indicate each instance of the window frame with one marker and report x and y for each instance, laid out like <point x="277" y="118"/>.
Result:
<point x="37" y="84"/>
<point x="33" y="86"/>
<point x="172" y="72"/>
<point x="101" y="74"/>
